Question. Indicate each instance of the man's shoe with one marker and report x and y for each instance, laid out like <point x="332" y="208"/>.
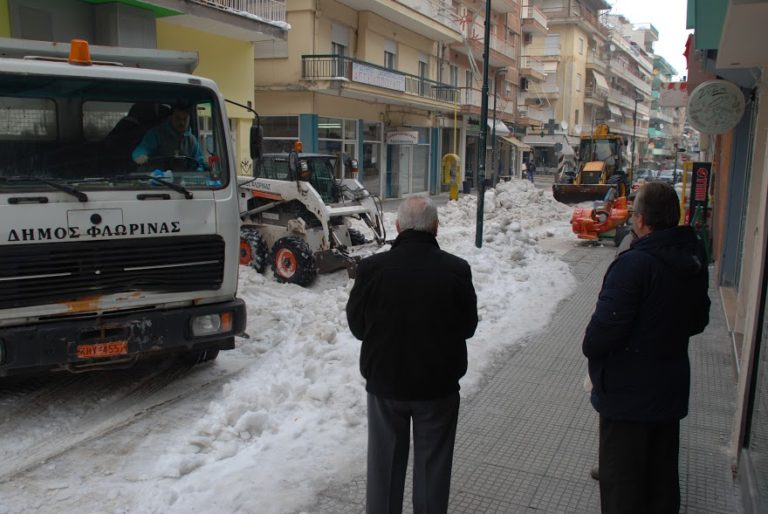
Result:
<point x="595" y="473"/>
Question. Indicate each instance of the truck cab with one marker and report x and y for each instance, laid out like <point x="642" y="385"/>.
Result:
<point x="105" y="260"/>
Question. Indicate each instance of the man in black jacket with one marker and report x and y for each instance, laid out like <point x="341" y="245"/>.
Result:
<point x="413" y="307"/>
<point x="654" y="297"/>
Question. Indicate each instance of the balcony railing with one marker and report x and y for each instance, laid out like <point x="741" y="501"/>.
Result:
<point x="445" y="14"/>
<point x="595" y="92"/>
<point x="660" y="115"/>
<point x="534" y="13"/>
<point x="475" y="32"/>
<point x="594" y="60"/>
<point x="532" y="63"/>
<point x="335" y="67"/>
<point x="577" y="11"/>
<point x="267" y="10"/>
<point x="618" y="69"/>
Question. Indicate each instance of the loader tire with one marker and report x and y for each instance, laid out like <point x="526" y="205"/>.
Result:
<point x="253" y="249"/>
<point x="293" y="261"/>
<point x="356" y="237"/>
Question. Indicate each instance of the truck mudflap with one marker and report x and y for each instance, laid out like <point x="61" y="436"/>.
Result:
<point x="116" y="340"/>
<point x="576" y="193"/>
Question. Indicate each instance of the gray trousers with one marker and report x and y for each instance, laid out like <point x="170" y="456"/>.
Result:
<point x="434" y="433"/>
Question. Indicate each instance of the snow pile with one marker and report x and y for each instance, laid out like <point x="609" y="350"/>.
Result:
<point x="289" y="418"/>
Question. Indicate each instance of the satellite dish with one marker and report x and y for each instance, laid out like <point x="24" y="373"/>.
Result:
<point x="577" y="128"/>
<point x="558" y="147"/>
<point x="564" y="125"/>
<point x="612" y="48"/>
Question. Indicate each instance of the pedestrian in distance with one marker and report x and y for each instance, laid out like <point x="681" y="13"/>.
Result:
<point x="172" y="138"/>
<point x="411" y="362"/>
<point x="531" y="170"/>
<point x="653" y="299"/>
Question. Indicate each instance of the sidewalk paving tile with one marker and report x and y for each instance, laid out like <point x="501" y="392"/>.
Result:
<point x="528" y="438"/>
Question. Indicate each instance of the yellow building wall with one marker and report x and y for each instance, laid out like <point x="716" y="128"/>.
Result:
<point x="5" y="19"/>
<point x="229" y="62"/>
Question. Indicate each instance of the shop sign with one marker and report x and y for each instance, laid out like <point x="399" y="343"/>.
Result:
<point x="403" y="137"/>
<point x="702" y="173"/>
<point x="377" y="77"/>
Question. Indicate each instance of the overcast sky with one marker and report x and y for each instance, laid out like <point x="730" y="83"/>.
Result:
<point x="668" y="16"/>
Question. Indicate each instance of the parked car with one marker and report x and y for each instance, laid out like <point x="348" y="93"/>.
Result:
<point x="645" y="174"/>
<point x="668" y="175"/>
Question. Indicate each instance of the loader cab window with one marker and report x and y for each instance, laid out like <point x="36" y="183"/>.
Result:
<point x="81" y="133"/>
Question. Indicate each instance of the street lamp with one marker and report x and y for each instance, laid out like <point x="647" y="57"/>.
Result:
<point x="493" y="132"/>
<point x="638" y="98"/>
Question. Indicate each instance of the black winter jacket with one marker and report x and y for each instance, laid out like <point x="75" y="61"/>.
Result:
<point x="654" y="297"/>
<point x="413" y="307"/>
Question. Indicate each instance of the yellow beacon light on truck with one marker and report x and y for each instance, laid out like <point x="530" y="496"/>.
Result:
<point x="79" y="53"/>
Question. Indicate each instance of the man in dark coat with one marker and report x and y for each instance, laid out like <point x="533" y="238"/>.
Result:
<point x="413" y="307"/>
<point x="654" y="297"/>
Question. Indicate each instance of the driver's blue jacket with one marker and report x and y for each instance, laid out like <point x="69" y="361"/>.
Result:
<point x="164" y="141"/>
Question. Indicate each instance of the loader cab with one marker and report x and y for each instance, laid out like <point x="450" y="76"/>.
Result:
<point x="317" y="169"/>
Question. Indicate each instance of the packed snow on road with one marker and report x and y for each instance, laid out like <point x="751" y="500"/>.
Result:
<point x="275" y="422"/>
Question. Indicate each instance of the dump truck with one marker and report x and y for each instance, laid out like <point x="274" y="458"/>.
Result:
<point x="104" y="261"/>
<point x="603" y="166"/>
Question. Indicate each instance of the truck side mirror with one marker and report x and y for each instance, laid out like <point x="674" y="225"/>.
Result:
<point x="257" y="137"/>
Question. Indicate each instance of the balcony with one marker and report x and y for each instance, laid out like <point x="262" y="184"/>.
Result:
<point x="658" y="114"/>
<point x="470" y="102"/>
<point x="595" y="62"/>
<point x="246" y="20"/>
<point x="595" y="96"/>
<point x="578" y="15"/>
<point x="501" y="53"/>
<point x="370" y="82"/>
<point x="627" y="102"/>
<point x="618" y="69"/>
<point x="433" y="20"/>
<point x="533" y="20"/>
<point x="540" y="95"/>
<point x="544" y="53"/>
<point x="532" y="68"/>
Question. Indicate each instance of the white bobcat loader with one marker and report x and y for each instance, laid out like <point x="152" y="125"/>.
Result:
<point x="297" y="215"/>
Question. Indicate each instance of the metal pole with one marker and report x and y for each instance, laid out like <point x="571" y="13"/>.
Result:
<point x="483" y="130"/>
<point x="634" y="136"/>
<point x="493" y="135"/>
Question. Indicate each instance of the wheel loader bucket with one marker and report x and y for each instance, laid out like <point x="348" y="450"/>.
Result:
<point x="577" y="193"/>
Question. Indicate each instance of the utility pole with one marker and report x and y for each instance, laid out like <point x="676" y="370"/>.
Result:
<point x="483" y="130"/>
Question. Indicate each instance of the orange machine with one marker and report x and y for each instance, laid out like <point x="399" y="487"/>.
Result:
<point x="606" y="220"/>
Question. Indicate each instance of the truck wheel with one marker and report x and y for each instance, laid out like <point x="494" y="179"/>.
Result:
<point x="253" y="249"/>
<point x="193" y="357"/>
<point x="293" y="262"/>
<point x="356" y="237"/>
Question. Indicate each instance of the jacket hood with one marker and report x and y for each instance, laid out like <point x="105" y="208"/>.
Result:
<point x="414" y="236"/>
<point x="677" y="247"/>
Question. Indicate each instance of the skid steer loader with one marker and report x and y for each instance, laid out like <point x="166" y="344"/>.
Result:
<point x="297" y="213"/>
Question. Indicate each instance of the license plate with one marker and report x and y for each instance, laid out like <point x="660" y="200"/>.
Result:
<point x="92" y="351"/>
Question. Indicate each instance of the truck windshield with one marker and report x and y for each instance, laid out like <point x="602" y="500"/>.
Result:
<point x="94" y="134"/>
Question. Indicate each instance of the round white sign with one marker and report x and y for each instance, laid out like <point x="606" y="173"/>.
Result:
<point x="715" y="106"/>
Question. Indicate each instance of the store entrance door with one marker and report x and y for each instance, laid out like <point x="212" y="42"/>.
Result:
<point x="402" y="159"/>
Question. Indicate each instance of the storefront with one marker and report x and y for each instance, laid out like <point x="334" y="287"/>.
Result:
<point x="408" y="162"/>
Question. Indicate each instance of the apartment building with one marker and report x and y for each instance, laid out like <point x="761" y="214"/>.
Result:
<point x="395" y="84"/>
<point x="560" y="107"/>
<point x="212" y="38"/>
<point x="667" y="123"/>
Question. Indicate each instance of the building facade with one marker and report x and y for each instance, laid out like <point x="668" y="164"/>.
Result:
<point x="723" y="48"/>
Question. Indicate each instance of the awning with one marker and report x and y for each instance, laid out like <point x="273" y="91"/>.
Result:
<point x="550" y="140"/>
<point x="501" y="127"/>
<point x="519" y="144"/>
<point x="600" y="80"/>
<point x="615" y="111"/>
